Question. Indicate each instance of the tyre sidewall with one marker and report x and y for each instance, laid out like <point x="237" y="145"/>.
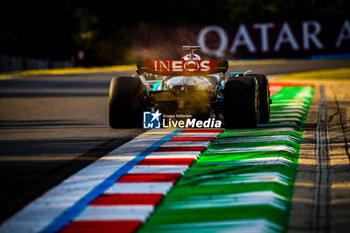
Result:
<point x="241" y="102"/>
<point x="125" y="102"/>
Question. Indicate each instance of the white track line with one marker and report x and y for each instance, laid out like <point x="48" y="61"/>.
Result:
<point x="158" y="169"/>
<point x="139" y="187"/>
<point x="120" y="212"/>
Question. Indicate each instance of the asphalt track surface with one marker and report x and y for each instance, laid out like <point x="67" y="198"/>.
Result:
<point x="53" y="126"/>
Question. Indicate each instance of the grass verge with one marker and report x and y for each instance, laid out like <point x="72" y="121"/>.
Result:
<point x="256" y="62"/>
<point x="77" y="70"/>
<point x="340" y="74"/>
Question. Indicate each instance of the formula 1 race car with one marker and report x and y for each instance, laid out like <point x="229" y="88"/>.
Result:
<point x="189" y="86"/>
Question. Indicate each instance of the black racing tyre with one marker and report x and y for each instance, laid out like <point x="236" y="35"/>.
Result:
<point x="241" y="102"/>
<point x="125" y="102"/>
<point x="264" y="97"/>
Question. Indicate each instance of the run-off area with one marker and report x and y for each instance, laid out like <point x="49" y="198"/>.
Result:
<point x="243" y="180"/>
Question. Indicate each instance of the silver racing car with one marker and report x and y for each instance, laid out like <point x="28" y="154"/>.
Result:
<point x="189" y="86"/>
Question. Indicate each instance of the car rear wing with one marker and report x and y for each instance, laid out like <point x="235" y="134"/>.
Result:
<point x="191" y="48"/>
<point x="182" y="67"/>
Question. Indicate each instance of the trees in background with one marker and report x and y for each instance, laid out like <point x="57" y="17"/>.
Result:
<point x="59" y="29"/>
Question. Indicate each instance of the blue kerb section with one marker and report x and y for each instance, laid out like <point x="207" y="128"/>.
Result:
<point x="71" y="213"/>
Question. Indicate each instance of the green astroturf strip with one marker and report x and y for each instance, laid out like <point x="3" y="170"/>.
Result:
<point x="248" y="155"/>
<point x="244" y="180"/>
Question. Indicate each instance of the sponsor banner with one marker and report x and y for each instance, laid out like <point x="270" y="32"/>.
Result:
<point x="181" y="66"/>
<point x="254" y="40"/>
<point x="177" y="67"/>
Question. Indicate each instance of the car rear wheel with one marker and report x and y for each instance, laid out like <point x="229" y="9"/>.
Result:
<point x="241" y="102"/>
<point x="124" y="102"/>
<point x="264" y="97"/>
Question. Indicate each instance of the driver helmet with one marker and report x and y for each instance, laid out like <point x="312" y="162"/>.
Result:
<point x="191" y="57"/>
